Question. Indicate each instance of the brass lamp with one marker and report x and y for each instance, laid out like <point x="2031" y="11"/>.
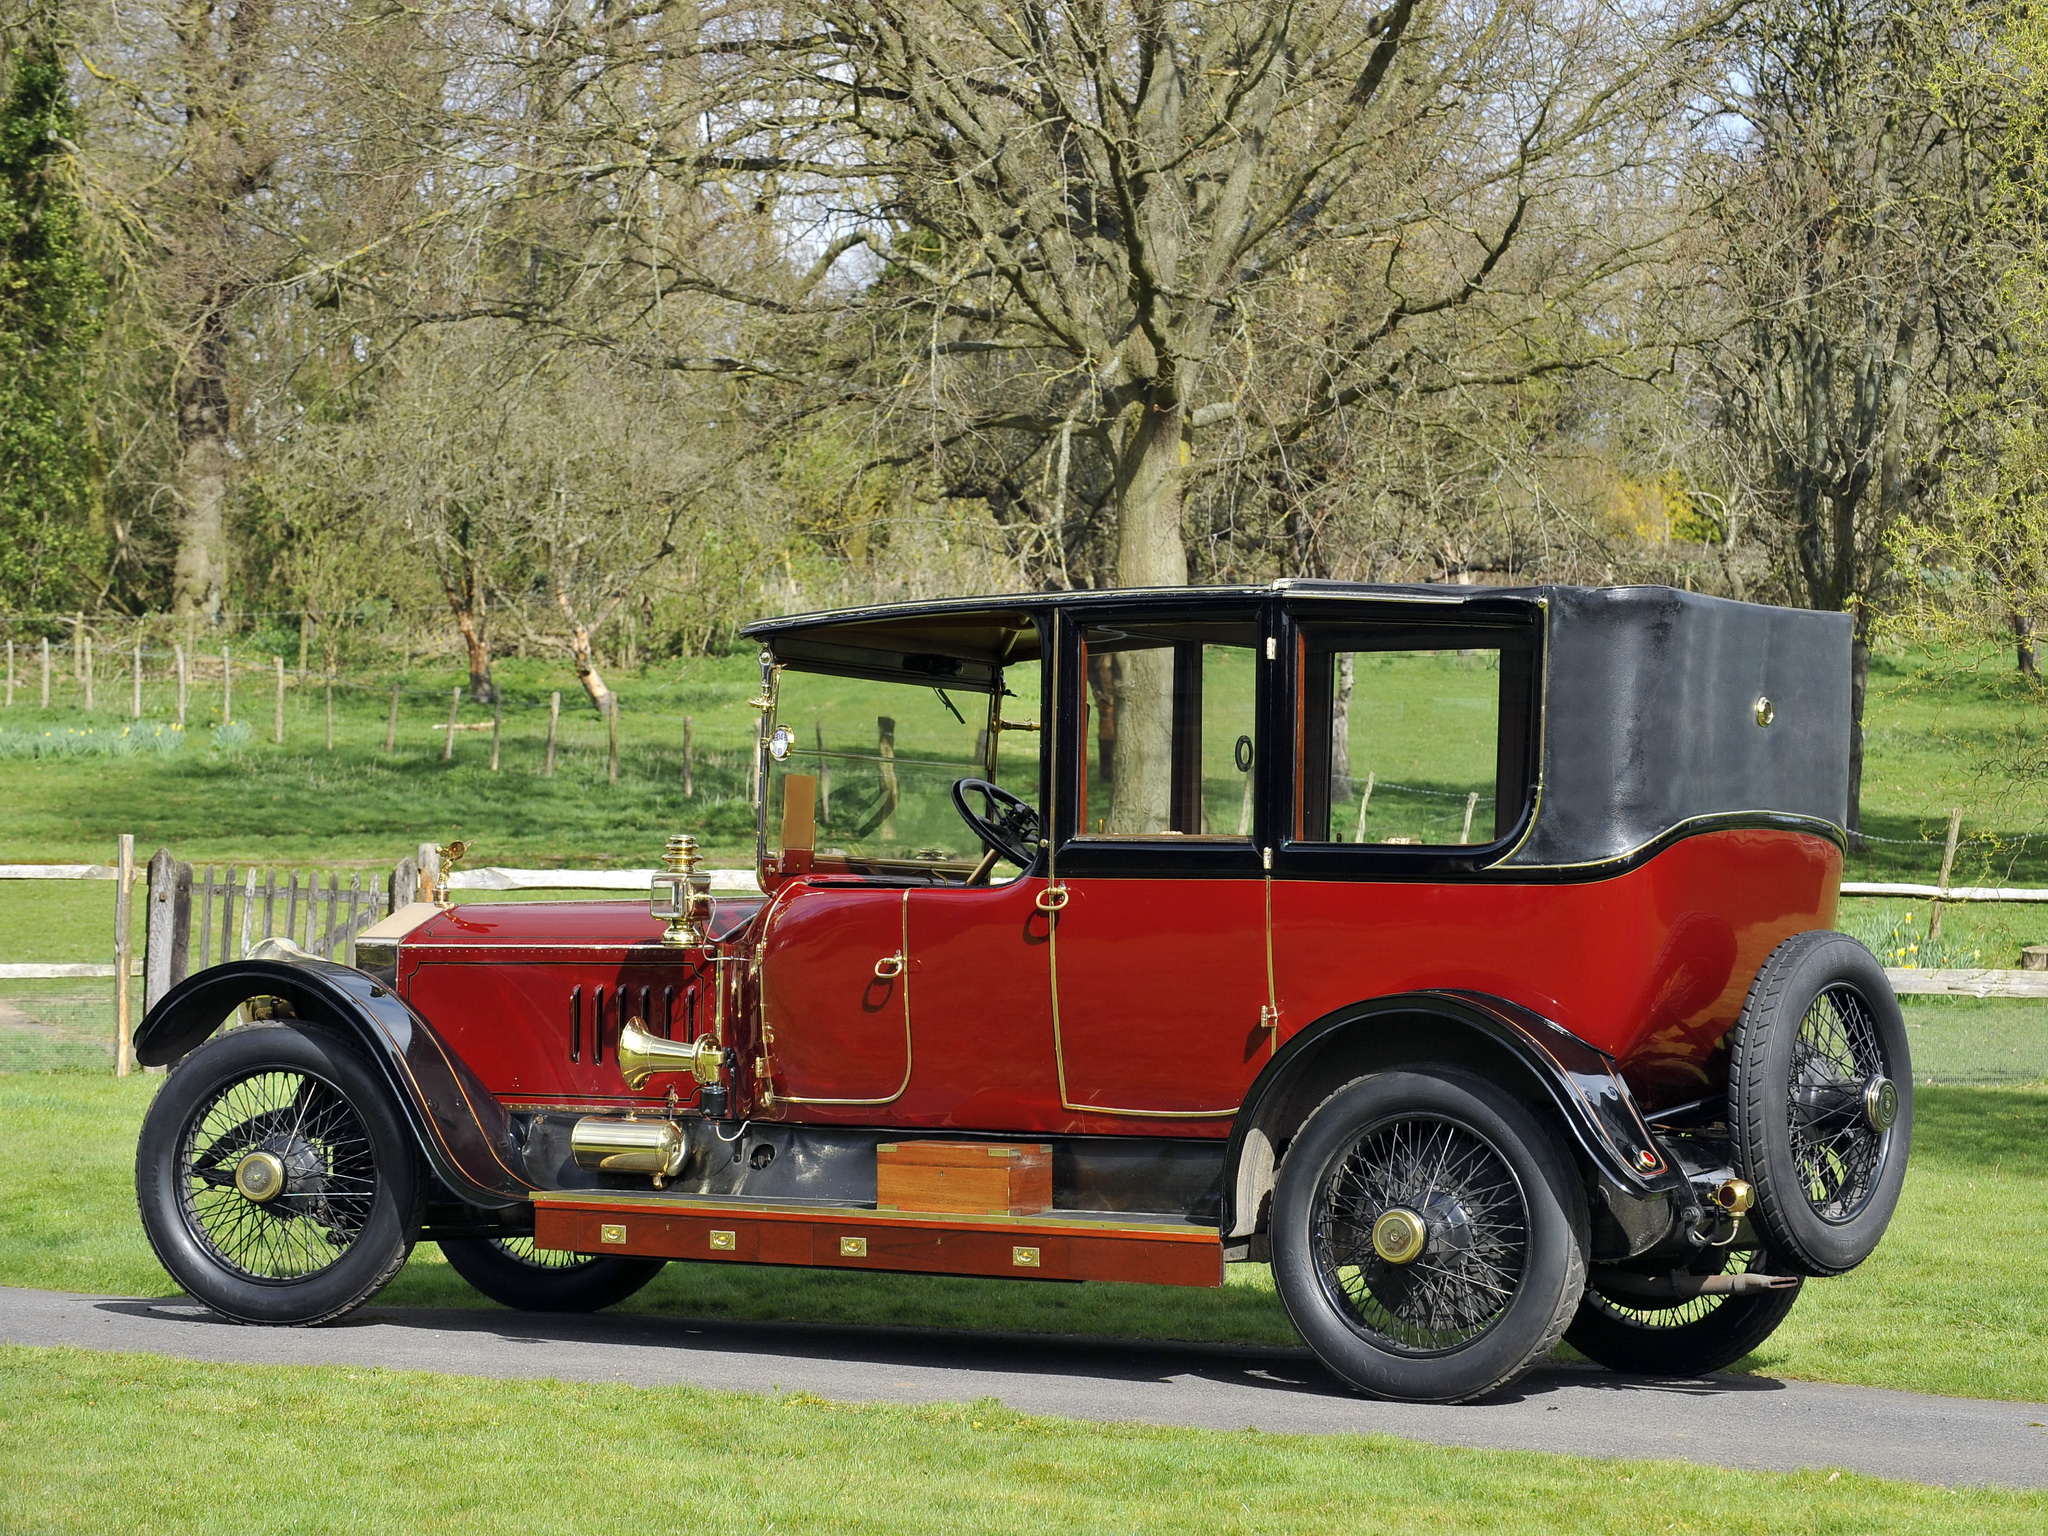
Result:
<point x="681" y="894"/>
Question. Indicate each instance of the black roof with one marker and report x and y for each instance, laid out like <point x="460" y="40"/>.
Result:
<point x="1652" y="712"/>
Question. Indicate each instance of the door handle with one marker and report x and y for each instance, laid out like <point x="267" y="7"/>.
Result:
<point x="1051" y="899"/>
<point x="889" y="967"/>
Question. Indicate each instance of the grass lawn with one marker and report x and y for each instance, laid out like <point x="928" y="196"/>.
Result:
<point x="1956" y="1301"/>
<point x="83" y="1448"/>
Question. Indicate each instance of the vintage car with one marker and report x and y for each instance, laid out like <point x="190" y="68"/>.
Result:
<point x="1464" y="953"/>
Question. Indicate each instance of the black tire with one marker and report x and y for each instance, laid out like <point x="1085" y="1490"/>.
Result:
<point x="1680" y="1338"/>
<point x="1819" y="1036"/>
<point x="515" y="1273"/>
<point x="1498" y="1210"/>
<point x="346" y="1207"/>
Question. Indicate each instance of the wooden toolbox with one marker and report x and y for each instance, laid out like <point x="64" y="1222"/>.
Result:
<point x="972" y="1177"/>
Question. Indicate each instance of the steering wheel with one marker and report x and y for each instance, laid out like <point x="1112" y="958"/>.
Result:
<point x="1006" y="822"/>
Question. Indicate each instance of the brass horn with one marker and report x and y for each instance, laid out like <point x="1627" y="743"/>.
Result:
<point x="642" y="1056"/>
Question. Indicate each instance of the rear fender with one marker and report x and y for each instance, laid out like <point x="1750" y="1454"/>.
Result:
<point x="1540" y="1060"/>
<point x="463" y="1132"/>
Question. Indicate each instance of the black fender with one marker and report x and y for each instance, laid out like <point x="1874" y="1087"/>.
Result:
<point x="462" y="1131"/>
<point x="1580" y="1081"/>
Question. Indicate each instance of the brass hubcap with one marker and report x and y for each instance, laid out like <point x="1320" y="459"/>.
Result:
<point x="1398" y="1236"/>
<point x="260" y="1176"/>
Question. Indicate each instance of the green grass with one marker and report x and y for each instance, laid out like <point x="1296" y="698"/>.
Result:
<point x="84" y="1448"/>
<point x="1955" y="1302"/>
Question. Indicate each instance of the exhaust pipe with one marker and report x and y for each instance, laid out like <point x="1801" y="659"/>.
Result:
<point x="602" y="1144"/>
<point x="1624" y="1286"/>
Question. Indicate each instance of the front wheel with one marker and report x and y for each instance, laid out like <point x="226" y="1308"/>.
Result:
<point x="1429" y="1235"/>
<point x="276" y="1181"/>
<point x="516" y="1273"/>
<point x="1627" y="1328"/>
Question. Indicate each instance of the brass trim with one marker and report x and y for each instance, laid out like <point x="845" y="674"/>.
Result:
<point x="1024" y="1258"/>
<point x="853" y="1247"/>
<point x="1765" y="710"/>
<point x="724" y="1242"/>
<point x="612" y="1232"/>
<point x="908" y="1050"/>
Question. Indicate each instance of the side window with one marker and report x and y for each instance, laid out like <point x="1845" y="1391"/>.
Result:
<point x="1171" y="729"/>
<point x="1410" y="739"/>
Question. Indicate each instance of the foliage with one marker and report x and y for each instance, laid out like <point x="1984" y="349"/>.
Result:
<point x="50" y="297"/>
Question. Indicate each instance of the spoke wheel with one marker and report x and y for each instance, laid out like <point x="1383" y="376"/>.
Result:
<point x="1429" y="1235"/>
<point x="516" y="1272"/>
<point x="1680" y="1338"/>
<point x="1821" y="1101"/>
<point x="274" y="1177"/>
<point x="1475" y="1235"/>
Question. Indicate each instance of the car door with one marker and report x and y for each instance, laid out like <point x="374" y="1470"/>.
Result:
<point x="834" y="997"/>
<point x="1158" y="961"/>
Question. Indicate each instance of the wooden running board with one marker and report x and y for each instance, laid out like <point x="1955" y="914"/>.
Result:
<point x="1015" y="1247"/>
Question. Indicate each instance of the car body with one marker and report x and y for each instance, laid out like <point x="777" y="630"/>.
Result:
<point x="1537" y="883"/>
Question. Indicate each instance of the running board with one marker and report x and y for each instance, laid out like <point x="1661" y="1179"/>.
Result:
<point x="1047" y="1247"/>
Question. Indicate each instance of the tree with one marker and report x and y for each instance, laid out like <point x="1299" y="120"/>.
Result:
<point x="50" y="297"/>
<point x="1860" y="262"/>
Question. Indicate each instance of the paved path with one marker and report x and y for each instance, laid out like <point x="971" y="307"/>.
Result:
<point x="1735" y="1421"/>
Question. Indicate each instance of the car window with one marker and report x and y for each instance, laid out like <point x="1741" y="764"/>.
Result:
<point x="1402" y="744"/>
<point x="1170" y="730"/>
<point x="861" y="772"/>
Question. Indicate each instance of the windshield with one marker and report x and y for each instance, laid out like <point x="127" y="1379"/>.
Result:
<point x="861" y="773"/>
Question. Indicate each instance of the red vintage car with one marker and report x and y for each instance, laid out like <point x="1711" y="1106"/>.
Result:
<point x="1464" y="953"/>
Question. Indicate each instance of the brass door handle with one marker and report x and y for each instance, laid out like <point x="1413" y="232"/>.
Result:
<point x="1051" y="899"/>
<point x="889" y="967"/>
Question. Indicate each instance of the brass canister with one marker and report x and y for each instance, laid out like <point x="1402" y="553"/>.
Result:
<point x="603" y="1144"/>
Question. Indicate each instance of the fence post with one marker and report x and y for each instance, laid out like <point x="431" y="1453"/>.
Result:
<point x="1471" y="805"/>
<point x="227" y="688"/>
<point x="168" y="929"/>
<point x="690" y="767"/>
<point x="10" y="674"/>
<point x="330" y="711"/>
<point x="277" y="725"/>
<point x="454" y="708"/>
<point x="885" y="749"/>
<point x="391" y="730"/>
<point x="85" y="641"/>
<point x="178" y="650"/>
<point x="1948" y="862"/>
<point x="611" y="731"/>
<point x="124" y="953"/>
<point x="137" y="710"/>
<point x="1364" y="803"/>
<point x="46" y="671"/>
<point x="428" y="862"/>
<point x="497" y="724"/>
<point x="405" y="883"/>
<point x="547" y="767"/>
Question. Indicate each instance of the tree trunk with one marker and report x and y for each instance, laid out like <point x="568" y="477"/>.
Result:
<point x="464" y="606"/>
<point x="581" y="657"/>
<point x="1150" y="553"/>
<point x="2023" y="643"/>
<point x="201" y="475"/>
<point x="1102" y="690"/>
<point x="1340" y="729"/>
<point x="1859" y="684"/>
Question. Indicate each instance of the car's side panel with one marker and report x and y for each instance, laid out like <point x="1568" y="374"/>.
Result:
<point x="1651" y="966"/>
<point x="834" y="989"/>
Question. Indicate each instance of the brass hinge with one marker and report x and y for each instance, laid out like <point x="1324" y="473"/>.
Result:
<point x="1269" y="1017"/>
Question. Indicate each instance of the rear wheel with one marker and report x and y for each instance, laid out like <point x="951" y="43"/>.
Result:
<point x="275" y="1179"/>
<point x="1428" y="1234"/>
<point x="1622" y="1328"/>
<point x="515" y="1272"/>
<point x="1820" y="1101"/>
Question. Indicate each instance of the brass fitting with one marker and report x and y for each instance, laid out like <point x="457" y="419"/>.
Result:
<point x="1735" y="1196"/>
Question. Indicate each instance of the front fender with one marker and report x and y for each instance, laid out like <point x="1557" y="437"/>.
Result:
<point x="1595" y="1105"/>
<point x="462" y="1131"/>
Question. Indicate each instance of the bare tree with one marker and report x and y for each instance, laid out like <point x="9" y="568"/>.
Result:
<point x="1861" y="263"/>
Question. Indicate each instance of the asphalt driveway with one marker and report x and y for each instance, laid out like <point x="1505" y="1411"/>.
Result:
<point x="1723" y="1420"/>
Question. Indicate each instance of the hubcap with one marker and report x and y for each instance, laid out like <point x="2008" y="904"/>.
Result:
<point x="1398" y="1236"/>
<point x="1881" y="1103"/>
<point x="260" y="1176"/>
